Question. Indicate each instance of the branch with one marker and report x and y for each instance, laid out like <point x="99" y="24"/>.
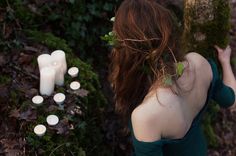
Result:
<point x="24" y="72"/>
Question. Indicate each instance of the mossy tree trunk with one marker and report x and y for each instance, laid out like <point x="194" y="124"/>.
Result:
<point x="206" y="23"/>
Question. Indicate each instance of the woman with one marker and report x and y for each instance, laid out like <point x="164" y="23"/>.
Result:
<point x="162" y="104"/>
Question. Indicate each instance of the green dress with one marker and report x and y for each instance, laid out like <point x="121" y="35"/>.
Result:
<point x="193" y="143"/>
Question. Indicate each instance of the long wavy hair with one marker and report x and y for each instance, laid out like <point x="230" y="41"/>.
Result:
<point x="145" y="53"/>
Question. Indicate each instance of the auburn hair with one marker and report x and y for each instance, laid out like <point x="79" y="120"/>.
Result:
<point x="145" y="52"/>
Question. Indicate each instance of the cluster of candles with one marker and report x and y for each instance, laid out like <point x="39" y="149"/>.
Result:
<point x="52" y="70"/>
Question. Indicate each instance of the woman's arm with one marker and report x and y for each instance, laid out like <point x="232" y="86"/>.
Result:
<point x="228" y="76"/>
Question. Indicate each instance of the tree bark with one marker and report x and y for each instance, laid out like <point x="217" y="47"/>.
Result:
<point x="206" y="23"/>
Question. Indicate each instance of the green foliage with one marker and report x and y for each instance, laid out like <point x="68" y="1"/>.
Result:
<point x="168" y="80"/>
<point x="179" y="68"/>
<point x="179" y="71"/>
<point x="80" y="23"/>
<point x="110" y="38"/>
<point x="209" y="117"/>
<point x="48" y="39"/>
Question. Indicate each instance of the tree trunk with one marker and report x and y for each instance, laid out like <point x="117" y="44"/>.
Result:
<point x="206" y="23"/>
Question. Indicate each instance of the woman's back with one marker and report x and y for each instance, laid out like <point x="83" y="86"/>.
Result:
<point x="171" y="110"/>
<point x="145" y="63"/>
<point x="174" y="127"/>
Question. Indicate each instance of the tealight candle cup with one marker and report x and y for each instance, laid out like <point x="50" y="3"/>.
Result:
<point x="59" y="98"/>
<point x="37" y="100"/>
<point x="52" y="120"/>
<point x="75" y="85"/>
<point x="40" y="130"/>
<point x="73" y="72"/>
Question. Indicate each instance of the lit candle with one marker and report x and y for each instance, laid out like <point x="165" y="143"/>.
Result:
<point x="75" y="85"/>
<point x="60" y="56"/>
<point x="73" y="71"/>
<point x="44" y="60"/>
<point x="47" y="80"/>
<point x="59" y="98"/>
<point x="39" y="130"/>
<point x="59" y="75"/>
<point x="37" y="100"/>
<point x="52" y="120"/>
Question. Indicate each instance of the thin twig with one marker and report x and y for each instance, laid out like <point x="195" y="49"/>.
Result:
<point x="28" y="48"/>
<point x="71" y="153"/>
<point x="136" y="40"/>
<point x="56" y="149"/>
<point x="172" y="53"/>
<point x="24" y="72"/>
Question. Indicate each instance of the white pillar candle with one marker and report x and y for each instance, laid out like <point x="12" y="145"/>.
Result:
<point x="37" y="100"/>
<point x="75" y="85"/>
<point x="59" y="98"/>
<point x="60" y="56"/>
<point x="44" y="60"/>
<point x="59" y="74"/>
<point x="52" y="120"/>
<point x="47" y="80"/>
<point x="73" y="71"/>
<point x="39" y="130"/>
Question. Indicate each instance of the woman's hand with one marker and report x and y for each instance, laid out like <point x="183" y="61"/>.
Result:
<point x="223" y="54"/>
<point x="228" y="75"/>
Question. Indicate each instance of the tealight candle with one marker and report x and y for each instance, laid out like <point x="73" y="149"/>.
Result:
<point x="37" y="100"/>
<point x="47" y="80"/>
<point x="75" y="85"/>
<point x="52" y="120"/>
<point x="59" y="75"/>
<point x="73" y="71"/>
<point x="60" y="56"/>
<point x="39" y="130"/>
<point x="59" y="98"/>
<point x="44" y="60"/>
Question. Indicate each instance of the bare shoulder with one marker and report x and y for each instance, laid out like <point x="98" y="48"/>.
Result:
<point x="200" y="65"/>
<point x="146" y="122"/>
<point x="195" y="58"/>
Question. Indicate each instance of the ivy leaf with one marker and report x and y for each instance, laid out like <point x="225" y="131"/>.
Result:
<point x="110" y="38"/>
<point x="180" y="68"/>
<point x="168" y="80"/>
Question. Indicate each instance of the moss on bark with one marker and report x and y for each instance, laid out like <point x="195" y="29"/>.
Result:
<point x="207" y="22"/>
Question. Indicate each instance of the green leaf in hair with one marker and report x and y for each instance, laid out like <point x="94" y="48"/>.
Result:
<point x="179" y="68"/>
<point x="168" y="80"/>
